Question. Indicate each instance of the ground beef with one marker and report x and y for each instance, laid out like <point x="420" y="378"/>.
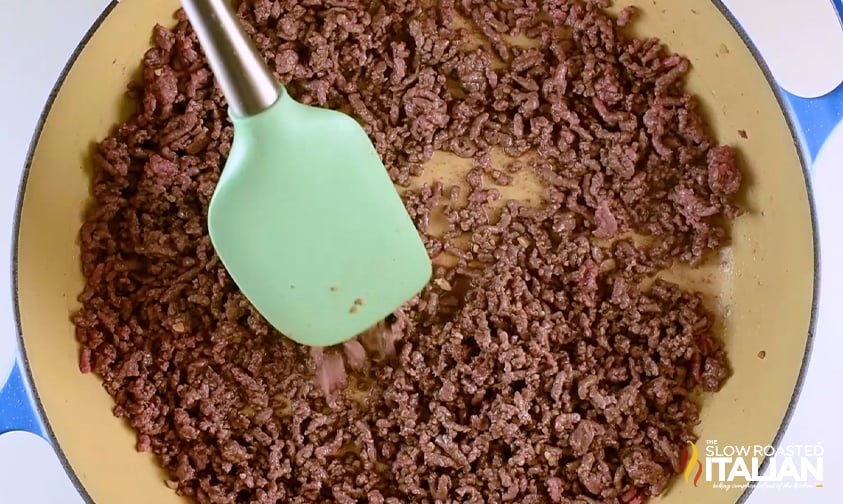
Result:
<point x="541" y="364"/>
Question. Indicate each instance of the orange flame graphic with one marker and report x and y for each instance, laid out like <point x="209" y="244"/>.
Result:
<point x="689" y="460"/>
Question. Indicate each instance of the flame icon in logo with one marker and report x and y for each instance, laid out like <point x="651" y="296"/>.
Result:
<point x="689" y="460"/>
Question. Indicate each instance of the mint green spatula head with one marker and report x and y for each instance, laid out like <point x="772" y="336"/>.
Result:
<point x="309" y="225"/>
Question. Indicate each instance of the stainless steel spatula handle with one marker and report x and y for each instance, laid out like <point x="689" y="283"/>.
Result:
<point x="245" y="79"/>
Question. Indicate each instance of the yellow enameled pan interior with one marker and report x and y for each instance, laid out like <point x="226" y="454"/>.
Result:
<point x="763" y="284"/>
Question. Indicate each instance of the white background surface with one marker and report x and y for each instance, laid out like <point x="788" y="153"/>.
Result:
<point x="38" y="36"/>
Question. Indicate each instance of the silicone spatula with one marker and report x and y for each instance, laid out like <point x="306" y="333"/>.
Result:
<point x="304" y="218"/>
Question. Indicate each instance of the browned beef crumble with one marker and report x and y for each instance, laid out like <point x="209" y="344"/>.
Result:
<point x="534" y="368"/>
